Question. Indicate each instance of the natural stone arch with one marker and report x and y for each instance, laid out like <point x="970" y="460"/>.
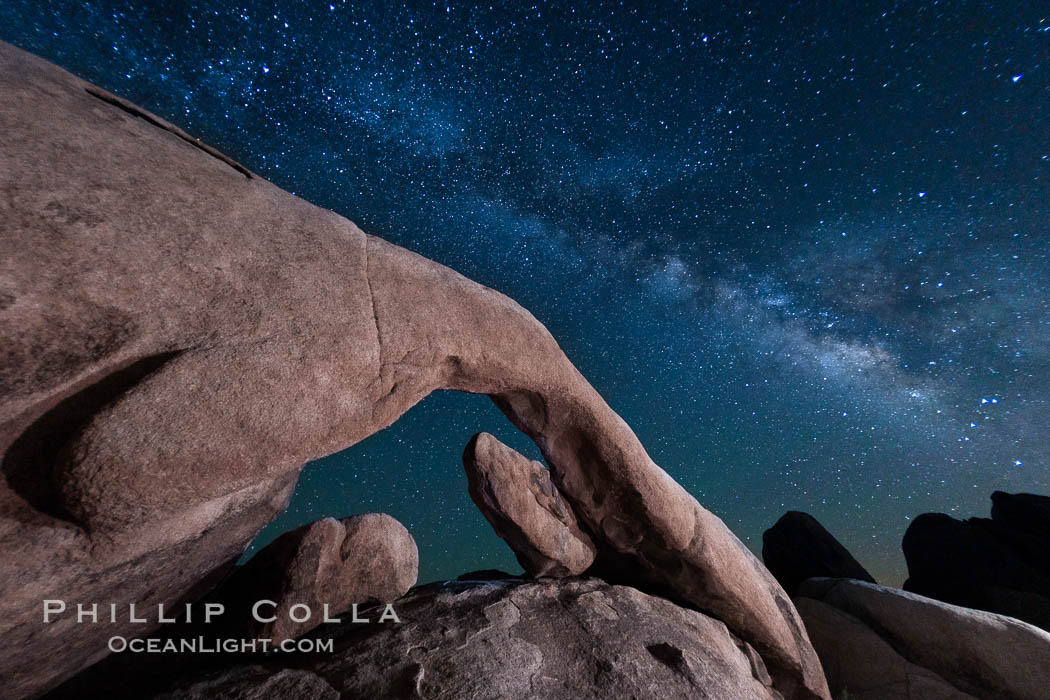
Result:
<point x="281" y="333"/>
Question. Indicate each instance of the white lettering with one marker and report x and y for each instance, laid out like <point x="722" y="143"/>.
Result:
<point x="82" y="612"/>
<point x="132" y="618"/>
<point x="160" y="614"/>
<point x="53" y="607"/>
<point x="291" y="612"/>
<point x="353" y="613"/>
<point x="255" y="611"/>
<point x="389" y="614"/>
<point x="213" y="610"/>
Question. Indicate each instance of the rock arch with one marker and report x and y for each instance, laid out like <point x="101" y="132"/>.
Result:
<point x="287" y="334"/>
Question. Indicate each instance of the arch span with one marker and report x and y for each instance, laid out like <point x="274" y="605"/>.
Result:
<point x="288" y="334"/>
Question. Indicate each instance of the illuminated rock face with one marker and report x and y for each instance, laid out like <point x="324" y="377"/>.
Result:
<point x="180" y="336"/>
<point x="879" y="642"/>
<point x="557" y="639"/>
<point x="317" y="572"/>
<point x="526" y="509"/>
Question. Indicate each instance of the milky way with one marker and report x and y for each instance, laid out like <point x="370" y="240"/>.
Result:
<point x="804" y="251"/>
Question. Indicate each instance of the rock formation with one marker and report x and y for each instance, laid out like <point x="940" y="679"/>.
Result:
<point x="879" y="642"/>
<point x="798" y="547"/>
<point x="367" y="558"/>
<point x="1000" y="564"/>
<point x="486" y="575"/>
<point x="525" y="508"/>
<point x="1025" y="512"/>
<point x="861" y="665"/>
<point x="546" y="638"/>
<point x="179" y="337"/>
<point x="255" y="682"/>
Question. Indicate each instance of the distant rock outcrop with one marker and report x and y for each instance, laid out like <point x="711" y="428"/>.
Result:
<point x="798" y="547"/>
<point x="878" y="642"/>
<point x="1000" y="564"/>
<point x="517" y="497"/>
<point x="555" y="639"/>
<point x="1026" y="513"/>
<point x="179" y="337"/>
<point x="325" y="566"/>
<point x="486" y="575"/>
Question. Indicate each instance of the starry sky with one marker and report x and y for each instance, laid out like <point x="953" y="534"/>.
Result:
<point x="802" y="248"/>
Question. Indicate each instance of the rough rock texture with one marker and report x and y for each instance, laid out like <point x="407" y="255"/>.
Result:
<point x="525" y="508"/>
<point x="979" y="653"/>
<point x="566" y="638"/>
<point x="1000" y="564"/>
<point x="367" y="558"/>
<point x="861" y="665"/>
<point x="255" y="683"/>
<point x="798" y="547"/>
<point x="179" y="337"/>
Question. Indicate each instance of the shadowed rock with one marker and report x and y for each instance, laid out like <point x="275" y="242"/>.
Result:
<point x="486" y="575"/>
<point x="798" y="547"/>
<point x="180" y="336"/>
<point x="1024" y="512"/>
<point x="1000" y="564"/>
<point x="861" y="665"/>
<point x="556" y="639"/>
<point x="976" y="652"/>
<point x="361" y="559"/>
<point x="255" y="683"/>
<point x="517" y="497"/>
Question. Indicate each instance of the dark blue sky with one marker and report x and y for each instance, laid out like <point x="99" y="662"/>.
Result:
<point x="803" y="249"/>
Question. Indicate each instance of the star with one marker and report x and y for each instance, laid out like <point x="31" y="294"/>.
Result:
<point x="645" y="180"/>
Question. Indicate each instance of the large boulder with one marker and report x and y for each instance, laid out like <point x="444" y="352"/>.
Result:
<point x="326" y="566"/>
<point x="179" y="337"/>
<point x="798" y="547"/>
<point x="525" y="508"/>
<point x="861" y="665"/>
<point x="962" y="651"/>
<point x="551" y="638"/>
<point x="1000" y="564"/>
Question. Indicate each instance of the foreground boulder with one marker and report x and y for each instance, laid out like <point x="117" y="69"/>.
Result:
<point x="878" y="642"/>
<point x="179" y="337"/>
<point x="554" y="638"/>
<point x="798" y="547"/>
<point x="256" y="683"/>
<point x="326" y="566"/>
<point x="1000" y="564"/>
<point x="517" y="497"/>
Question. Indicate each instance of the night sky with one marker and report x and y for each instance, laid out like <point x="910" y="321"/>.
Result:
<point x="803" y="249"/>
